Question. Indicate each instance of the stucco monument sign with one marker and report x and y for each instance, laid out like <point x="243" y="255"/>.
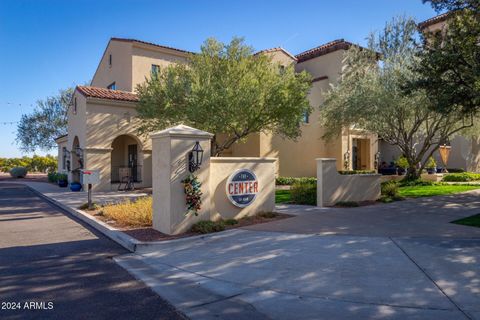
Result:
<point x="242" y="187"/>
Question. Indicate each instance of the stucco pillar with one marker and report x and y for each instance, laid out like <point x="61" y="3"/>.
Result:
<point x="324" y="167"/>
<point x="170" y="148"/>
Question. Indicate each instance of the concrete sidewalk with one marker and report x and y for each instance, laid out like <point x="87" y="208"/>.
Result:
<point x="76" y="199"/>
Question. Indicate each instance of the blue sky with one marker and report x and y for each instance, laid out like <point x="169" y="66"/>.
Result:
<point x="46" y="45"/>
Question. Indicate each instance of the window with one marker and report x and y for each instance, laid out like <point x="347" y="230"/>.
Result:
<point x="110" y="61"/>
<point x="306" y="117"/>
<point x="155" y="70"/>
<point x="112" y="86"/>
<point x="75" y="105"/>
<point x="281" y="69"/>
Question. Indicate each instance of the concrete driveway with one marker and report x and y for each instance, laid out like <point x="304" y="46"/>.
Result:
<point x="397" y="261"/>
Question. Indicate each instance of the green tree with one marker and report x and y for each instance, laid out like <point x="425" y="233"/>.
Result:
<point x="47" y="122"/>
<point x="450" y="68"/>
<point x="226" y="90"/>
<point x="370" y="96"/>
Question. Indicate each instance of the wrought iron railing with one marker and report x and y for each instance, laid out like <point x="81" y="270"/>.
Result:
<point x="124" y="174"/>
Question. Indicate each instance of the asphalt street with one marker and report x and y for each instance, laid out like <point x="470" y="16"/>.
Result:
<point x="54" y="267"/>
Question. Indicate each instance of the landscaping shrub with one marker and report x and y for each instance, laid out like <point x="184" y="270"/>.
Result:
<point x="348" y="172"/>
<point x="461" y="177"/>
<point x="230" y="222"/>
<point x="304" y="193"/>
<point x="18" y="172"/>
<point x="85" y="206"/>
<point x="267" y="215"/>
<point x="416" y="183"/>
<point x="389" y="188"/>
<point x="52" y="177"/>
<point x="131" y="213"/>
<point x="402" y="162"/>
<point x="208" y="226"/>
<point x="288" y="181"/>
<point x="347" y="204"/>
<point x="455" y="170"/>
<point x="431" y="163"/>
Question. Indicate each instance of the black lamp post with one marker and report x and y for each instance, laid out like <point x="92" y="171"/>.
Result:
<point x="195" y="157"/>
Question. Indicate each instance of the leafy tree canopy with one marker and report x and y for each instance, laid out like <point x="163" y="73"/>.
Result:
<point x="226" y="90"/>
<point x="370" y="96"/>
<point x="47" y="122"/>
<point x="451" y="5"/>
<point x="450" y="69"/>
<point x="35" y="163"/>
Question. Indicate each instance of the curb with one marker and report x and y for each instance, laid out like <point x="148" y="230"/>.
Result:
<point x="116" y="235"/>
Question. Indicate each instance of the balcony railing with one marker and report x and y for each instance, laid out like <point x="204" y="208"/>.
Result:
<point x="124" y="174"/>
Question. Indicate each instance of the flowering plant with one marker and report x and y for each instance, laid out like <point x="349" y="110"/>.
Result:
<point x="193" y="193"/>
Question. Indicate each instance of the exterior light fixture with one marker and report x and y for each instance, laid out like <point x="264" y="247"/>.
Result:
<point x="376" y="161"/>
<point x="444" y="154"/>
<point x="79" y="152"/>
<point x="346" y="160"/>
<point x="195" y="157"/>
<point x="67" y="158"/>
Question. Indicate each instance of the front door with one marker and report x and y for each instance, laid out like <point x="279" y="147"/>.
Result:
<point x="132" y="160"/>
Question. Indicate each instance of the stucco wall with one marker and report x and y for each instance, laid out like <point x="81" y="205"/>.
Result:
<point x="120" y="71"/>
<point x="144" y="56"/>
<point x="220" y="170"/>
<point x="105" y="121"/>
<point x="333" y="187"/>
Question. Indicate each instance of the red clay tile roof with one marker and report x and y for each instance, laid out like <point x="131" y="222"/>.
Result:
<point x="102" y="93"/>
<point x="335" y="45"/>
<point x="277" y="49"/>
<point x="150" y="44"/>
<point x="427" y="23"/>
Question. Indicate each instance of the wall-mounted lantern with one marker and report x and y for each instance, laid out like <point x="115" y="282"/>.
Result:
<point x="79" y="154"/>
<point x="346" y="160"/>
<point x="67" y="156"/>
<point x="444" y="154"/>
<point x="195" y="157"/>
<point x="376" y="161"/>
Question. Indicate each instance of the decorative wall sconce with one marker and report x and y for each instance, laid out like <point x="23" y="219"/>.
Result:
<point x="376" y="161"/>
<point x="445" y="154"/>
<point x="195" y="157"/>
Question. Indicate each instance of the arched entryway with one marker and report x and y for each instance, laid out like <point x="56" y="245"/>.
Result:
<point x="77" y="160"/>
<point x="126" y="159"/>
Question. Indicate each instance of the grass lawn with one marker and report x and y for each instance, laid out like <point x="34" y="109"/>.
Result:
<point x="435" y="190"/>
<point x="472" y="221"/>
<point x="282" y="196"/>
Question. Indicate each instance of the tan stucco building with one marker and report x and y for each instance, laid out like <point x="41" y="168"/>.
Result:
<point x="103" y="128"/>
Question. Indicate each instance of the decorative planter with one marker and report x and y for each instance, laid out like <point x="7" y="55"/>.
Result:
<point x="63" y="183"/>
<point x="75" y="186"/>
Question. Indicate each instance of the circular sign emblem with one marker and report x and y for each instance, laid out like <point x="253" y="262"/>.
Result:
<point x="242" y="188"/>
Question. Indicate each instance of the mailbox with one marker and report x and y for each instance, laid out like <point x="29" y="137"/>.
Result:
<point x="90" y="176"/>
